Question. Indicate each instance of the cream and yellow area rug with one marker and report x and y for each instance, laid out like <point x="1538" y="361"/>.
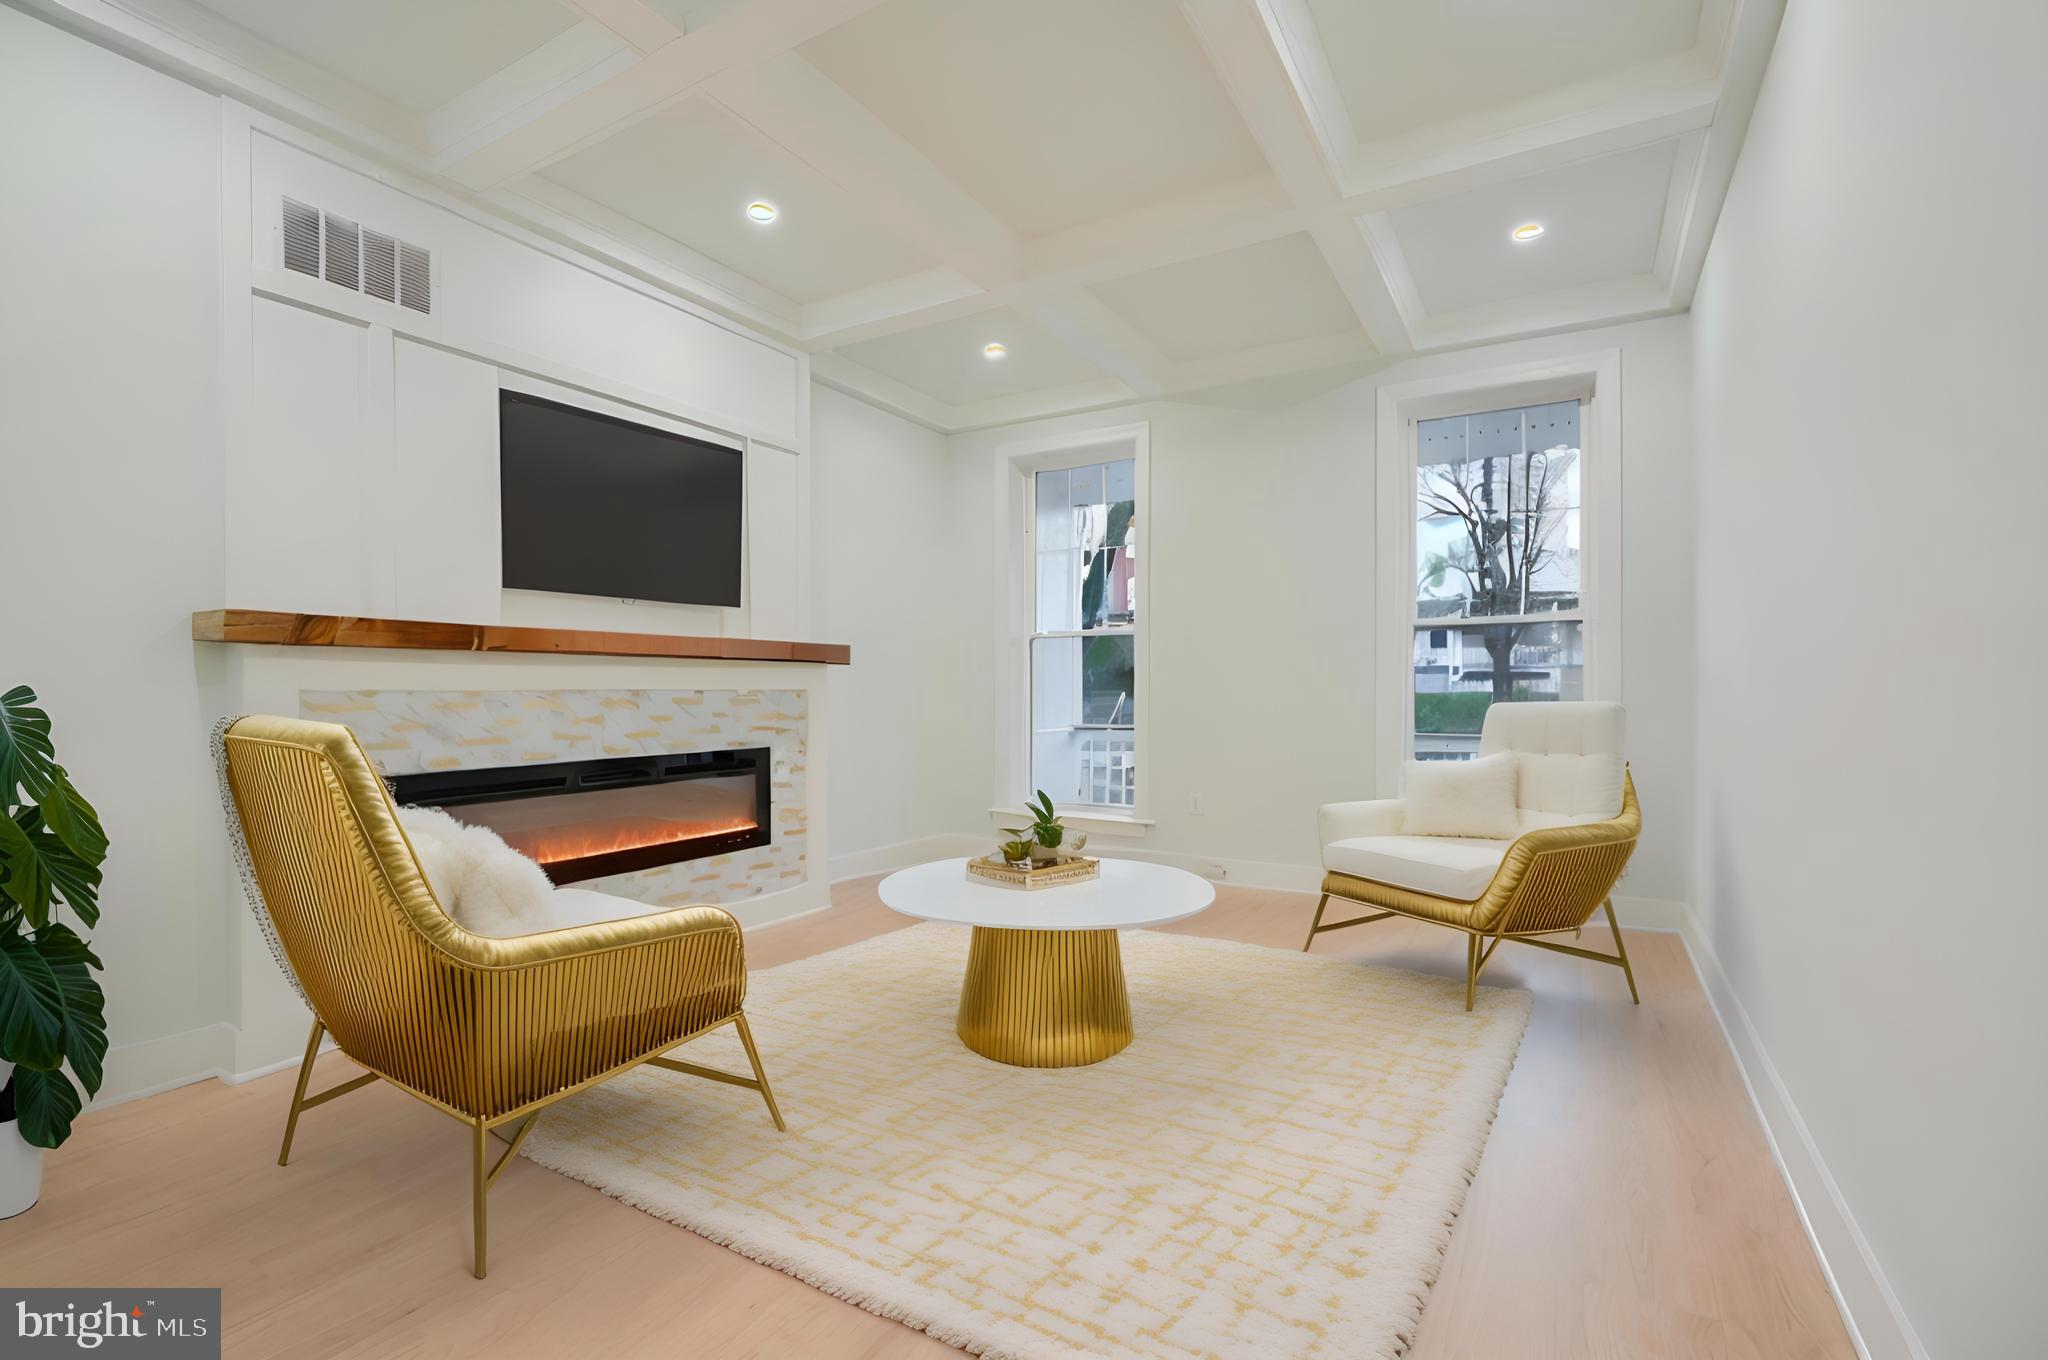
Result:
<point x="1271" y="1169"/>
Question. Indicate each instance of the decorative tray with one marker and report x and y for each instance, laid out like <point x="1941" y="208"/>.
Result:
<point x="993" y="870"/>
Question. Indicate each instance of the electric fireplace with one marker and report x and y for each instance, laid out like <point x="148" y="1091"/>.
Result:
<point x="585" y="819"/>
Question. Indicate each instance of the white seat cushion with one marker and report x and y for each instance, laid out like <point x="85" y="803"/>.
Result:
<point x="1442" y="866"/>
<point x="1527" y="821"/>
<point x="586" y="907"/>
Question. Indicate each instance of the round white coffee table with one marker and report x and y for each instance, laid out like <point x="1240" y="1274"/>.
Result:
<point x="1045" y="979"/>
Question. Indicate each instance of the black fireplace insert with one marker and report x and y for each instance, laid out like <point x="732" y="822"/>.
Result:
<point x="583" y="819"/>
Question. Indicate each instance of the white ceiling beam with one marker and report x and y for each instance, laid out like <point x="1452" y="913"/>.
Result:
<point x="1385" y="244"/>
<point x="1371" y="282"/>
<point x="1451" y="159"/>
<point x="842" y="374"/>
<point x="1678" y="199"/>
<point x="735" y="40"/>
<point x="198" y="46"/>
<point x="795" y="105"/>
<point x="1245" y="49"/>
<point x="557" y="71"/>
<point x="660" y="259"/>
<point x="1208" y="221"/>
<point x="636" y="25"/>
<point x="1298" y="42"/>
<point x="1079" y="320"/>
<point x="921" y="299"/>
<point x="1266" y="361"/>
<point x="1049" y="401"/>
<point x="1609" y="302"/>
<point x="1750" y="30"/>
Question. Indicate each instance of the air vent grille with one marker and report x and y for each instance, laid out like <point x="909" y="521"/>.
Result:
<point x="380" y="266"/>
<point x="323" y="245"/>
<point x="342" y="252"/>
<point x="415" y="278"/>
<point x="301" y="237"/>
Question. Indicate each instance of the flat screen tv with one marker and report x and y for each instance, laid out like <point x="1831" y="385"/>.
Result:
<point x="591" y="505"/>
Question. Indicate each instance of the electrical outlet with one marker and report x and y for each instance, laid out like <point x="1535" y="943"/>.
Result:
<point x="1195" y="803"/>
<point x="1215" y="873"/>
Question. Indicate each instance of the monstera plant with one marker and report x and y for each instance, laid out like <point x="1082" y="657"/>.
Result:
<point x="52" y="1013"/>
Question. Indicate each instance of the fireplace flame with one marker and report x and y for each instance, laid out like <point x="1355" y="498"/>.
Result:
<point x="554" y="845"/>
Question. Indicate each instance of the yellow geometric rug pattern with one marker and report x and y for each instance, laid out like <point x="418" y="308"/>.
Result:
<point x="1271" y="1169"/>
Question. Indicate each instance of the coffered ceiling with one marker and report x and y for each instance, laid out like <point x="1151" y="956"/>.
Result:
<point x="1133" y="197"/>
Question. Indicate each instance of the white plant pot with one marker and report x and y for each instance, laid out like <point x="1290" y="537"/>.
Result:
<point x="21" y="1164"/>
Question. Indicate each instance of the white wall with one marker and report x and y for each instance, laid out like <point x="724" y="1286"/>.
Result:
<point x="361" y="436"/>
<point x="888" y="581"/>
<point x="182" y="420"/>
<point x="1873" y="472"/>
<point x="110" y="475"/>
<point x="1261" y="545"/>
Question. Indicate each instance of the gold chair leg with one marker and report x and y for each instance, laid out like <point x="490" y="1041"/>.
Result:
<point x="1321" y="903"/>
<point x="1471" y="969"/>
<point x="291" y="1121"/>
<point x="760" y="1073"/>
<point x="480" y="1186"/>
<point x="301" y="1102"/>
<point x="1621" y="950"/>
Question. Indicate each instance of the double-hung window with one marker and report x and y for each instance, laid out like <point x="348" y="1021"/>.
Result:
<point x="1498" y="611"/>
<point x="1084" y="654"/>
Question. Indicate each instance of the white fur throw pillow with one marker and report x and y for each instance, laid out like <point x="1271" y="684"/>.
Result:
<point x="1461" y="798"/>
<point x="484" y="884"/>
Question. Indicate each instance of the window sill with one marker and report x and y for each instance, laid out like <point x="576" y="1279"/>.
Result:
<point x="1092" y="823"/>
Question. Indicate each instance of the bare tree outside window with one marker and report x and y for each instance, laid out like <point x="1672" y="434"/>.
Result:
<point x="1497" y="538"/>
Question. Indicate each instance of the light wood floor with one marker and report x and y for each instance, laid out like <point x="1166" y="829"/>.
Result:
<point x="1627" y="1205"/>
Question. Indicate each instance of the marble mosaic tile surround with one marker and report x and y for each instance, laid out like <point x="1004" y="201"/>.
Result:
<point x="411" y="731"/>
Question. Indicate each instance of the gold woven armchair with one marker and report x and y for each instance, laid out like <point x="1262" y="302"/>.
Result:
<point x="1549" y="880"/>
<point x="488" y="1031"/>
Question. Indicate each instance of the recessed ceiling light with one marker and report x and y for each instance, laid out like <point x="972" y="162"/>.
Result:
<point x="1528" y="231"/>
<point x="761" y="212"/>
<point x="994" y="349"/>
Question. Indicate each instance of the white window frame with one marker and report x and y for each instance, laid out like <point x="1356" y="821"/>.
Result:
<point x="1017" y="463"/>
<point x="1594" y="380"/>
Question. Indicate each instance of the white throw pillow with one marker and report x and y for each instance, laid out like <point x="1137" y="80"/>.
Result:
<point x="1461" y="798"/>
<point x="484" y="884"/>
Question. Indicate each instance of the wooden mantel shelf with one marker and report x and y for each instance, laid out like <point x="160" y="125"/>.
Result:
<point x="336" y="630"/>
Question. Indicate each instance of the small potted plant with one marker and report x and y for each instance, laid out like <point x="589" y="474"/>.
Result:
<point x="52" y="1013"/>
<point x="1016" y="850"/>
<point x="1047" y="830"/>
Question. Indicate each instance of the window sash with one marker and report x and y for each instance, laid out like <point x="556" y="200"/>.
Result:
<point x="1127" y="804"/>
<point x="1117" y="630"/>
<point x="1456" y="622"/>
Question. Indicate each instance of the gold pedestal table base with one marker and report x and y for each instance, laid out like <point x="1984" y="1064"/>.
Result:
<point x="1044" y="998"/>
<point x="1045" y="978"/>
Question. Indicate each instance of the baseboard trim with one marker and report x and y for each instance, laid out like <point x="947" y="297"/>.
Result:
<point x="137" y="1071"/>
<point x="1652" y="913"/>
<point x="887" y="858"/>
<point x="151" y="1066"/>
<point x="1877" y="1323"/>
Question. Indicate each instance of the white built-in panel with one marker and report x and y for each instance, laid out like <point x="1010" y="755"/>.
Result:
<point x="296" y="488"/>
<point x="773" y="566"/>
<point x="515" y="305"/>
<point x="624" y="341"/>
<point x="441" y="508"/>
